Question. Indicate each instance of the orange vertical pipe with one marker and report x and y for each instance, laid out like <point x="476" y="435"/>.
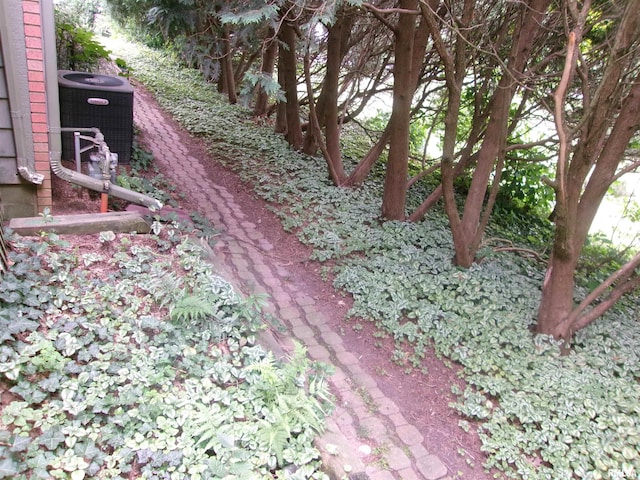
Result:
<point x="104" y="203"/>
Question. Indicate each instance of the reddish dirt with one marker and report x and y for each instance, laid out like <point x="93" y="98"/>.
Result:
<point x="423" y="399"/>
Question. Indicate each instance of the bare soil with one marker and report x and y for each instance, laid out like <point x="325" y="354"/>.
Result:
<point x="422" y="398"/>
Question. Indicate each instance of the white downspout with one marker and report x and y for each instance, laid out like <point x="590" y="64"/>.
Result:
<point x="15" y="55"/>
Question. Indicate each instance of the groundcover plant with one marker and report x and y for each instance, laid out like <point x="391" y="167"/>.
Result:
<point x="120" y="359"/>
<point x="540" y="414"/>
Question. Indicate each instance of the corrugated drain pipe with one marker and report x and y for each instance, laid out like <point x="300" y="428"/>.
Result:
<point x="55" y="140"/>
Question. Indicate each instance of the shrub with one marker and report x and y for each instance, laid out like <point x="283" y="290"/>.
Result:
<point x="76" y="44"/>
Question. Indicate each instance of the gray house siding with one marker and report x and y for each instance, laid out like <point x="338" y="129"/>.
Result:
<point x="8" y="162"/>
<point x="19" y="197"/>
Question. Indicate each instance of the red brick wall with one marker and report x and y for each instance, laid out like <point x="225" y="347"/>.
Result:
<point x="35" y="66"/>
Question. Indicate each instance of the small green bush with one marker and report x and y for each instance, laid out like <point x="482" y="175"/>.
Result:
<point x="78" y="49"/>
<point x="76" y="44"/>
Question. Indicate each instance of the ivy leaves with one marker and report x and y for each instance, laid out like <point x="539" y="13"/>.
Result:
<point x="111" y="377"/>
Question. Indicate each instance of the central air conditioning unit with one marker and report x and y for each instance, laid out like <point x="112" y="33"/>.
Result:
<point x="89" y="100"/>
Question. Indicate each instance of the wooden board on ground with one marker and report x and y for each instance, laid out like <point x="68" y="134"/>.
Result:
<point x="87" y="223"/>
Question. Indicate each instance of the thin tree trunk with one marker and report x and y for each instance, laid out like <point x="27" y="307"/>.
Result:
<point x="289" y="65"/>
<point x="244" y="65"/>
<point x="335" y="166"/>
<point x="281" y="106"/>
<point x="327" y="103"/>
<point x="269" y="52"/>
<point x="495" y="137"/>
<point x="436" y="195"/>
<point x="227" y="67"/>
<point x="466" y="157"/>
<point x="618" y="284"/>
<point x="362" y="170"/>
<point x="454" y="70"/>
<point x="365" y="165"/>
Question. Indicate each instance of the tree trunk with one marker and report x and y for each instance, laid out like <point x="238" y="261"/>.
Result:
<point x="243" y="66"/>
<point x="289" y="63"/>
<point x="324" y="112"/>
<point x="436" y="195"/>
<point x="366" y="164"/>
<point x="327" y="102"/>
<point x="281" y="106"/>
<point x="467" y="156"/>
<point x="556" y="314"/>
<point x="269" y="52"/>
<point x="229" y="83"/>
<point x="613" y="119"/>
<point x="334" y="165"/>
<point x="557" y="298"/>
<point x="222" y="79"/>
<point x="395" y="182"/>
<point x="362" y="170"/>
<point x="454" y="65"/>
<point x="467" y="237"/>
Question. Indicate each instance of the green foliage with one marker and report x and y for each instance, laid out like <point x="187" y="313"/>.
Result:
<point x="521" y="187"/>
<point x="266" y="11"/>
<point x="540" y="414"/>
<point x="522" y="225"/>
<point x="355" y="143"/>
<point x="103" y="383"/>
<point x="599" y="260"/>
<point x="141" y="159"/>
<point x="417" y="131"/>
<point x="125" y="70"/>
<point x="192" y="309"/>
<point x="81" y="13"/>
<point x="130" y="19"/>
<point x="157" y="186"/>
<point x="179" y="26"/>
<point x="143" y="176"/>
<point x="76" y="45"/>
<point x="266" y="82"/>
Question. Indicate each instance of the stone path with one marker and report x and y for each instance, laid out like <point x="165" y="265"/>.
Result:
<point x="364" y="416"/>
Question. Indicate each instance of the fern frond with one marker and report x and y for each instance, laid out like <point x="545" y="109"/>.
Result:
<point x="192" y="309"/>
<point x="266" y="368"/>
<point x="163" y="286"/>
<point x="309" y="414"/>
<point x="298" y="363"/>
<point x="274" y="437"/>
<point x="319" y="389"/>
